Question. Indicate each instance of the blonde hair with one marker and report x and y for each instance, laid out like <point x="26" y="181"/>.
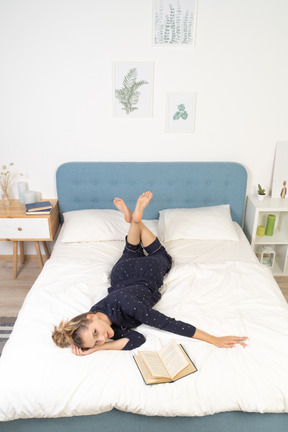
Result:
<point x="69" y="332"/>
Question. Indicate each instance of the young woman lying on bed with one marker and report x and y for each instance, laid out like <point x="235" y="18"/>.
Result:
<point x="135" y="282"/>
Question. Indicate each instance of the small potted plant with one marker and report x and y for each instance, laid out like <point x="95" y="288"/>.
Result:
<point x="261" y="193"/>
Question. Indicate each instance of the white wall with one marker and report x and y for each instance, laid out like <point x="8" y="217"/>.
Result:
<point x="56" y="85"/>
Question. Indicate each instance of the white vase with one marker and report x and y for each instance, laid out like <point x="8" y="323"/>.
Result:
<point x="261" y="197"/>
<point x="22" y="187"/>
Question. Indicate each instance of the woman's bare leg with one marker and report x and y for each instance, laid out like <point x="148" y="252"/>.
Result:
<point x="134" y="233"/>
<point x="147" y="237"/>
<point x="121" y="205"/>
<point x="141" y="204"/>
<point x="137" y="230"/>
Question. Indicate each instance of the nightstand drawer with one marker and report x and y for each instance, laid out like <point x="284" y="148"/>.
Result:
<point x="24" y="228"/>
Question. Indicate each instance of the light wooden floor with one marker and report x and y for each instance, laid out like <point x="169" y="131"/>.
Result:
<point x="13" y="291"/>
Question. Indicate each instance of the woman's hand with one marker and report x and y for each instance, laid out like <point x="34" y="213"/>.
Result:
<point x="230" y="341"/>
<point x="83" y="352"/>
<point x="220" y="342"/>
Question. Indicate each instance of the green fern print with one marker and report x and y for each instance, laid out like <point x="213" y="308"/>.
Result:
<point x="174" y="22"/>
<point x="128" y="95"/>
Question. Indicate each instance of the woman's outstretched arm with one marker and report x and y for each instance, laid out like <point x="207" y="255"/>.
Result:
<point x="156" y="319"/>
<point x="220" y="342"/>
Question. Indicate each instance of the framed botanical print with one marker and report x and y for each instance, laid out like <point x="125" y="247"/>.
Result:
<point x="133" y="89"/>
<point x="180" y="112"/>
<point x="174" y="22"/>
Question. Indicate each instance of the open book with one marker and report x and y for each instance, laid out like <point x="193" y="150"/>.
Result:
<point x="168" y="365"/>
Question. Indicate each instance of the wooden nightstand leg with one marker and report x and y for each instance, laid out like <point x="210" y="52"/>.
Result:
<point x="37" y="247"/>
<point x="15" y="256"/>
<point x="22" y="255"/>
<point x="47" y="253"/>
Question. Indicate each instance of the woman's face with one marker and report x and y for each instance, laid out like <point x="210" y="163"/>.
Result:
<point x="97" y="333"/>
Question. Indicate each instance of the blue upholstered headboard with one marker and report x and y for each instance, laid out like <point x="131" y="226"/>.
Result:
<point x="88" y="185"/>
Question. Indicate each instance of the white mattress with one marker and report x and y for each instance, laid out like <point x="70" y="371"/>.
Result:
<point x="218" y="286"/>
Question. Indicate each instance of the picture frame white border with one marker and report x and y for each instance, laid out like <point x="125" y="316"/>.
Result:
<point x="172" y="101"/>
<point x="147" y="69"/>
<point x="194" y="26"/>
<point x="280" y="171"/>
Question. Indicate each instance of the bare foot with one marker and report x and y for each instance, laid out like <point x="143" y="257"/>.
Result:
<point x="121" y="205"/>
<point x="141" y="204"/>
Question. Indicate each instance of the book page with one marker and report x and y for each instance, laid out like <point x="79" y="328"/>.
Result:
<point x="173" y="358"/>
<point x="154" y="364"/>
<point x="146" y="375"/>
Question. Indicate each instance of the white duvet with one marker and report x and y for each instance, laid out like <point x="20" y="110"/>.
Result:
<point x="222" y="296"/>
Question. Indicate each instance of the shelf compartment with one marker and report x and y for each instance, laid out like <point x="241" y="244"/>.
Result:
<point x="281" y="256"/>
<point x="256" y="214"/>
<point x="279" y="237"/>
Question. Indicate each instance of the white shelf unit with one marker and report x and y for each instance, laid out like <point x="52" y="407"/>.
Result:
<point x="256" y="214"/>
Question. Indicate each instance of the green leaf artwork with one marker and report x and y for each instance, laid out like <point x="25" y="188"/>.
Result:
<point x="174" y="21"/>
<point x="181" y="113"/>
<point x="129" y="95"/>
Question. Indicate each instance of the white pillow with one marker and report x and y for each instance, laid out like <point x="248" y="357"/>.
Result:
<point x="204" y="223"/>
<point x="93" y="225"/>
<point x="97" y="225"/>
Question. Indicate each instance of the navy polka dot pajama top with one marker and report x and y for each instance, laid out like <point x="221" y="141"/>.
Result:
<point x="135" y="282"/>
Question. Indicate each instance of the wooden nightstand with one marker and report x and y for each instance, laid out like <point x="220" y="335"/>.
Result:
<point x="16" y="226"/>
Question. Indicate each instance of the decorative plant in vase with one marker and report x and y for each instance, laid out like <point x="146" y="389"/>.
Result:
<point x="261" y="193"/>
<point x="6" y="178"/>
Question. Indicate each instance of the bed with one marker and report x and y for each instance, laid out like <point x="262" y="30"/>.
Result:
<point x="215" y="283"/>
